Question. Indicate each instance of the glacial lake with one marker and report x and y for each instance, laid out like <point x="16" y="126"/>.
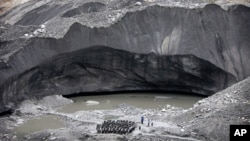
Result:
<point x="38" y="124"/>
<point x="139" y="100"/>
<point x="104" y="102"/>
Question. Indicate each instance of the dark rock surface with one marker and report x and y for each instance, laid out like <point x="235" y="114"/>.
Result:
<point x="212" y="116"/>
<point x="42" y="14"/>
<point x="146" y="46"/>
<point x="85" y="8"/>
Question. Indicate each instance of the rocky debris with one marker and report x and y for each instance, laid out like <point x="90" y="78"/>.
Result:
<point x="218" y="112"/>
<point x="40" y="30"/>
<point x="116" y="126"/>
<point x="28" y="107"/>
<point x="85" y="8"/>
<point x="138" y="3"/>
<point x="2" y="28"/>
<point x="37" y="107"/>
<point x="54" y="101"/>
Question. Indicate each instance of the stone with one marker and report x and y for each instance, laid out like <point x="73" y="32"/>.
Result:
<point x="43" y="26"/>
<point x="35" y="32"/>
<point x="53" y="138"/>
<point x="39" y="30"/>
<point x="138" y="3"/>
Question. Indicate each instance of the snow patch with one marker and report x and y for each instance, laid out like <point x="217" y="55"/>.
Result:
<point x="91" y="102"/>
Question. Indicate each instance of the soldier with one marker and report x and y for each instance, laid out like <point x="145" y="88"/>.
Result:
<point x="98" y="128"/>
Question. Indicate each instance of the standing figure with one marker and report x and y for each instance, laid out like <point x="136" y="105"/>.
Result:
<point x="142" y="119"/>
<point x="148" y="122"/>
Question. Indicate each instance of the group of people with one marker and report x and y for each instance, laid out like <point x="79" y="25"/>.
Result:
<point x="120" y="126"/>
<point x="150" y="123"/>
<point x="116" y="126"/>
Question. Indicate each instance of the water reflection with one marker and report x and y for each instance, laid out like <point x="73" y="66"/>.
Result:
<point x="38" y="124"/>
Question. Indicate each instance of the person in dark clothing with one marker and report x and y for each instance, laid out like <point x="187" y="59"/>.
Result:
<point x="142" y="119"/>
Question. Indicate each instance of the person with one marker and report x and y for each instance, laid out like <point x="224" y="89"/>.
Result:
<point x="148" y="122"/>
<point x="142" y="119"/>
<point x="152" y="124"/>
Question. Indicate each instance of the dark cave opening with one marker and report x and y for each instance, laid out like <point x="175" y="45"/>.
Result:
<point x="130" y="92"/>
<point x="103" y="70"/>
<point x="6" y="113"/>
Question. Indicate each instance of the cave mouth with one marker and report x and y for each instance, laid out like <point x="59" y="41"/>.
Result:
<point x="6" y="113"/>
<point x="161" y="92"/>
<point x="105" y="69"/>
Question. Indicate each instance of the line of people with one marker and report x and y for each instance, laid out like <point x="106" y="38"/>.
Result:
<point x="119" y="127"/>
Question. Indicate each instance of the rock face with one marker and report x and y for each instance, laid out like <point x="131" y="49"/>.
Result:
<point x="121" y="46"/>
<point x="85" y="8"/>
<point x="211" y="117"/>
